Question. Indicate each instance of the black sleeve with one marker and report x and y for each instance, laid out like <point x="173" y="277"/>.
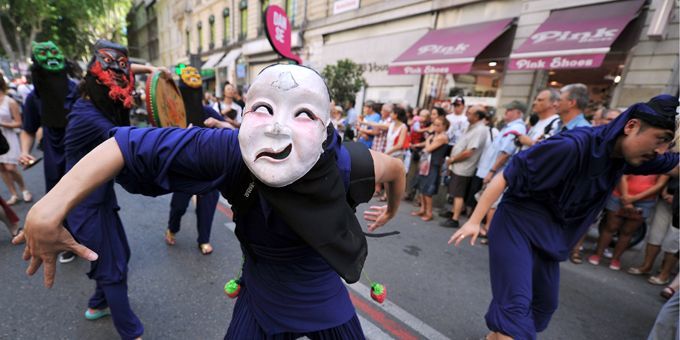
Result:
<point x="362" y="174"/>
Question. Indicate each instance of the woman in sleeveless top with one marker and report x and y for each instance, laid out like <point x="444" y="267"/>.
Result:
<point x="396" y="134"/>
<point x="10" y="119"/>
<point x="435" y="145"/>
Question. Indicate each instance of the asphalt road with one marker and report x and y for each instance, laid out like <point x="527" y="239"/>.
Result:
<point x="434" y="290"/>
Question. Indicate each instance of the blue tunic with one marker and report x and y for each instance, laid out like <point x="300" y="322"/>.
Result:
<point x="54" y="162"/>
<point x="95" y="222"/>
<point x="288" y="287"/>
<point x="555" y="189"/>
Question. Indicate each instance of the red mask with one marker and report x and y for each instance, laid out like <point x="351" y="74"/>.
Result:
<point x="112" y="69"/>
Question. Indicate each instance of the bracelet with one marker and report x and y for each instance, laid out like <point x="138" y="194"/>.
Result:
<point x="493" y="171"/>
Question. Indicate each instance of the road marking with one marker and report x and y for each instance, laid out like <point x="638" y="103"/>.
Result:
<point x="400" y="314"/>
<point x="371" y="331"/>
<point x="375" y="311"/>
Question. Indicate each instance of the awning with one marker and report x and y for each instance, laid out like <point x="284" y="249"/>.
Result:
<point x="575" y="38"/>
<point x="449" y="50"/>
<point x="212" y="60"/>
<point x="229" y="59"/>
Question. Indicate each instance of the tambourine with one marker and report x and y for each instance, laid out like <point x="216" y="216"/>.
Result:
<point x="164" y="102"/>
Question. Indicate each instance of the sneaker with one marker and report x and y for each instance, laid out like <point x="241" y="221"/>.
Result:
<point x="66" y="257"/>
<point x="94" y="314"/>
<point x="445" y="214"/>
<point x="449" y="223"/>
<point x="615" y="265"/>
<point x="594" y="260"/>
<point x="608" y="253"/>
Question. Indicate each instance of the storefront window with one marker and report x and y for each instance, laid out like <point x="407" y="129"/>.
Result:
<point x="244" y="19"/>
<point x="479" y="86"/>
<point x="226" y="27"/>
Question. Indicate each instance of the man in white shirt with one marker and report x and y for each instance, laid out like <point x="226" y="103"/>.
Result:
<point x="545" y="106"/>
<point x="458" y="123"/>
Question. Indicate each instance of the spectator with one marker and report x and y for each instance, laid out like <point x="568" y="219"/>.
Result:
<point x="370" y="116"/>
<point x="545" y="107"/>
<point x="432" y="159"/>
<point x="352" y="118"/>
<point x="573" y="100"/>
<point x="457" y="120"/>
<point x="608" y="115"/>
<point x="339" y="122"/>
<point x="662" y="236"/>
<point x="631" y="203"/>
<point x="228" y="108"/>
<point x="420" y="126"/>
<point x="10" y="119"/>
<point x="397" y="134"/>
<point x="463" y="161"/>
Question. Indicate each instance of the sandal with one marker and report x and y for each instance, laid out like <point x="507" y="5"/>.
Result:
<point x="169" y="237"/>
<point x="26" y="195"/>
<point x="667" y="292"/>
<point x="483" y="239"/>
<point x="655" y="280"/>
<point x="206" y="248"/>
<point x="575" y="257"/>
<point x="638" y="271"/>
<point x="12" y="200"/>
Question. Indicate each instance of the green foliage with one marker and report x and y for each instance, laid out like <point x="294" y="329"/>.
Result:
<point x="74" y="25"/>
<point x="344" y="80"/>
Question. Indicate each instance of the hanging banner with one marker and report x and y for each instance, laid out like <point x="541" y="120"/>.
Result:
<point x="278" y="31"/>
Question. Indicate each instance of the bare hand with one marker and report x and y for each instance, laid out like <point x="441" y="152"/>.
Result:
<point x="26" y="159"/>
<point x="378" y="215"/>
<point x="44" y="242"/>
<point x="524" y="139"/>
<point x="211" y="122"/>
<point x="468" y="229"/>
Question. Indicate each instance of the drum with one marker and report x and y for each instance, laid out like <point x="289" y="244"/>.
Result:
<point x="164" y="102"/>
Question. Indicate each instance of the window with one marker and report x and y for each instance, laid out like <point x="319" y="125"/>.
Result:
<point x="188" y="34"/>
<point x="290" y="11"/>
<point x="263" y="8"/>
<point x="199" y="29"/>
<point x="211" y="20"/>
<point x="226" y="27"/>
<point x="243" y="6"/>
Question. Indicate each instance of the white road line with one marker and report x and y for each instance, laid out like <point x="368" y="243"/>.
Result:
<point x="402" y="315"/>
<point x="371" y="331"/>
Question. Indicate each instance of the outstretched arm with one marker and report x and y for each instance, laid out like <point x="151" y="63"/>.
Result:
<point x="390" y="171"/>
<point x="44" y="233"/>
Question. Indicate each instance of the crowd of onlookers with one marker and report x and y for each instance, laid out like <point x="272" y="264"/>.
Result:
<point x="452" y="151"/>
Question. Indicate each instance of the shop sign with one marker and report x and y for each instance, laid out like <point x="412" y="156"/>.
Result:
<point x="341" y="6"/>
<point x="373" y="67"/>
<point x="553" y="63"/>
<point x="279" y="31"/>
<point x="432" y="69"/>
<point x="435" y="49"/>
<point x="582" y="37"/>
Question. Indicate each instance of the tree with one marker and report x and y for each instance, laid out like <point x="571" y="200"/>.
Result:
<point x="73" y="25"/>
<point x="344" y="80"/>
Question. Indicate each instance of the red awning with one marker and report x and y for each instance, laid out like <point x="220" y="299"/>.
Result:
<point x="575" y="38"/>
<point x="449" y="50"/>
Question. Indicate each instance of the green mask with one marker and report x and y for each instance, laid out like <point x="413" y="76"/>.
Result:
<point x="48" y="56"/>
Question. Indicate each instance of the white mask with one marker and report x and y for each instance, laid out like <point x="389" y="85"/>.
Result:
<point x="284" y="124"/>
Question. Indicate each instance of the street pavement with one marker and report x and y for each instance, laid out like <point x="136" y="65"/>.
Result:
<point x="435" y="291"/>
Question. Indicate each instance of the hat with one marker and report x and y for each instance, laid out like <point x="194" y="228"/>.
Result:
<point x="516" y="105"/>
<point x="458" y="100"/>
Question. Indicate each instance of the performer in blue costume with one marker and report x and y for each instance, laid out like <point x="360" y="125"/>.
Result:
<point x="190" y="85"/>
<point x="555" y="189"/>
<point x="46" y="106"/>
<point x="105" y="101"/>
<point x="293" y="187"/>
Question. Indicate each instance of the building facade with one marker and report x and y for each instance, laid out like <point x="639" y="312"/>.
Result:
<point x="227" y="38"/>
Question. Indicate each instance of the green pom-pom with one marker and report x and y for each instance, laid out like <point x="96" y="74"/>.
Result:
<point x="232" y="286"/>
<point x="377" y="288"/>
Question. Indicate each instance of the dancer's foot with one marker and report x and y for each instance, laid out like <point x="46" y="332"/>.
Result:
<point x="94" y="314"/>
<point x="169" y="237"/>
<point x="417" y="213"/>
<point x="206" y="248"/>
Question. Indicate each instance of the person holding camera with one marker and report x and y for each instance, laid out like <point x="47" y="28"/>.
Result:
<point x="228" y="108"/>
